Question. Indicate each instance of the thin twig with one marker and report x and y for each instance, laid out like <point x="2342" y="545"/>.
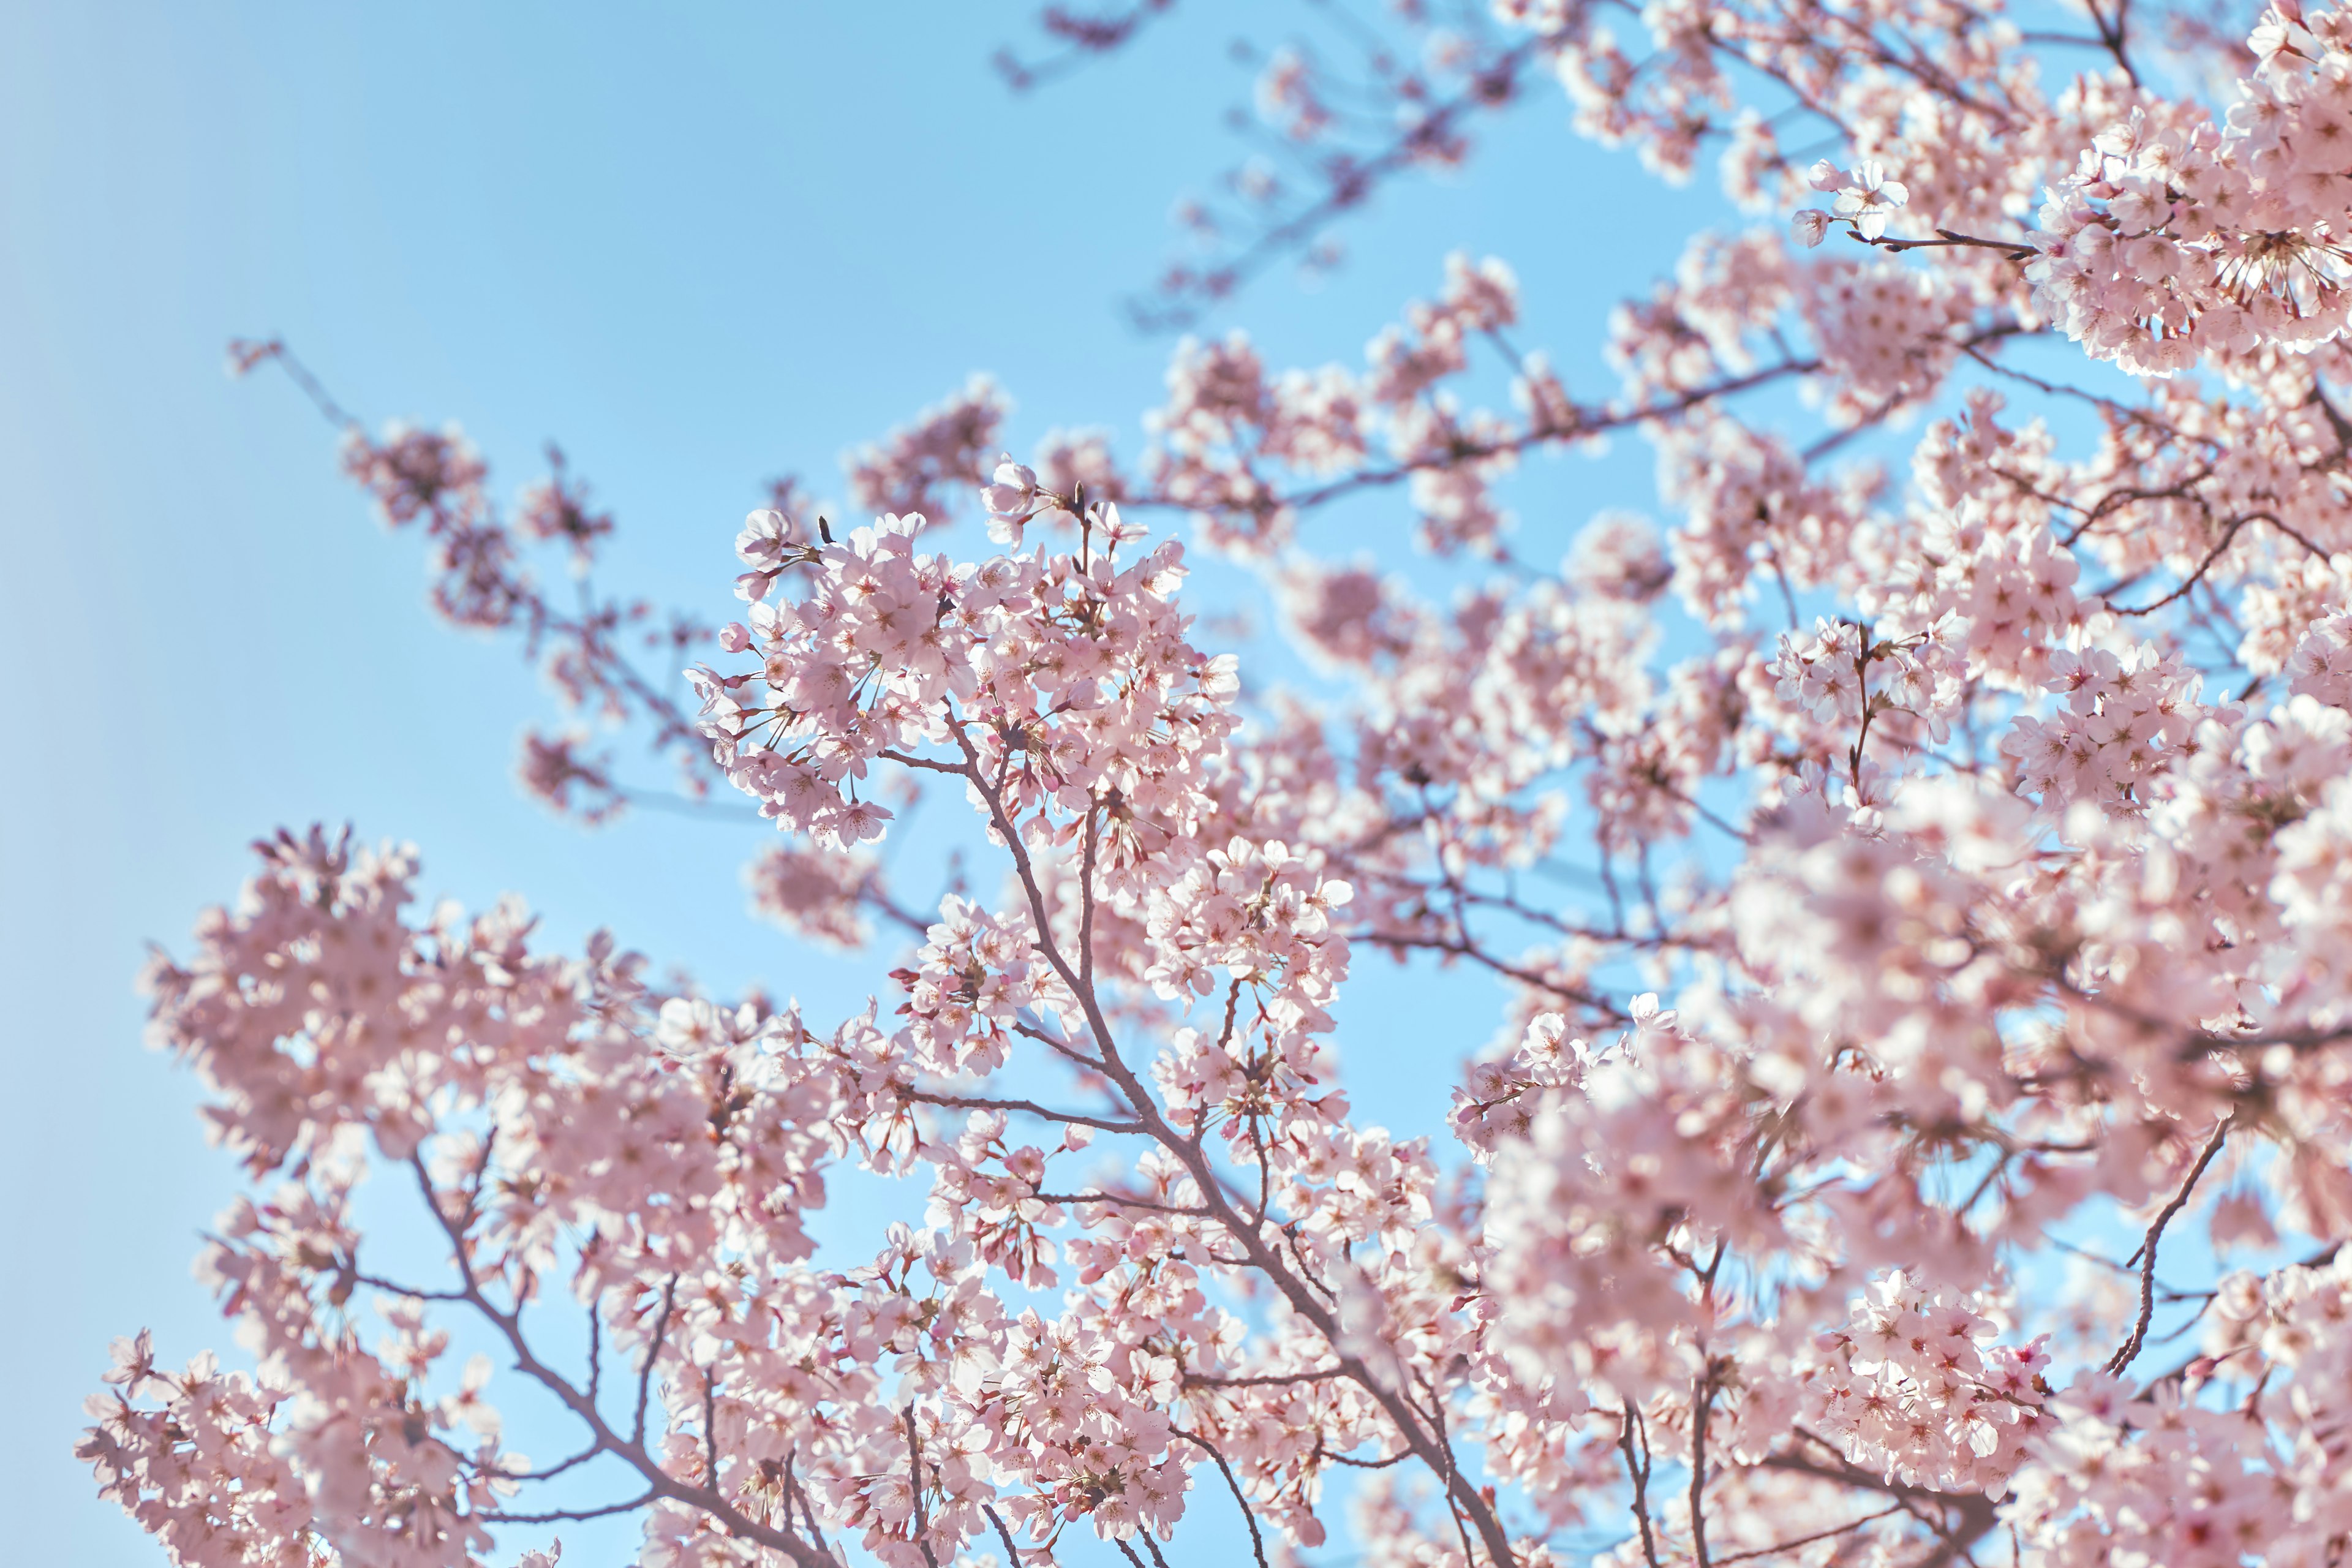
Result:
<point x="1011" y="1553"/>
<point x="1639" y="1471"/>
<point x="1249" y="1517"/>
<point x="2130" y="1348"/>
<point x="653" y="1352"/>
<point x="915" y="1465"/>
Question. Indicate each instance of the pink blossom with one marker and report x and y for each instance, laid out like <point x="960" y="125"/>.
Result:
<point x="1868" y="196"/>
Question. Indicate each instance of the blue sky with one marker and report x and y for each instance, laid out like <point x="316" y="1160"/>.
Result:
<point x="698" y="249"/>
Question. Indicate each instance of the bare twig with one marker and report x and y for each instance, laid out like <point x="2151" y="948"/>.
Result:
<point x="1638" y="1470"/>
<point x="2130" y="1348"/>
<point x="914" y="1468"/>
<point x="1249" y="1516"/>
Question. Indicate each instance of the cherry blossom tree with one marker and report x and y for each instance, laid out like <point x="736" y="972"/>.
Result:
<point x="1889" y="878"/>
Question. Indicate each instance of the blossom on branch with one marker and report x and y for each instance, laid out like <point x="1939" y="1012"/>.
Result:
<point x="1916" y="868"/>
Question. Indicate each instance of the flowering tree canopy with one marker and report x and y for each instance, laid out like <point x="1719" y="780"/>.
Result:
<point x="1886" y="875"/>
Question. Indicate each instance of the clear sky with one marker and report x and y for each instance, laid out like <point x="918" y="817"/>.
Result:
<point x="699" y="246"/>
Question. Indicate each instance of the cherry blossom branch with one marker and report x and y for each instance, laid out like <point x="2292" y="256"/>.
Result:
<point x="1617" y="936"/>
<point x="1047" y="1113"/>
<point x="1262" y="1380"/>
<point x="1249" y="1515"/>
<point x="1820" y="1535"/>
<point x="2229" y="534"/>
<point x="1958" y="1519"/>
<point x="1459" y="948"/>
<point x="1702" y="1402"/>
<point x="561" y="1466"/>
<point x="1262" y="1256"/>
<point x="1584" y="421"/>
<point x="246" y="355"/>
<point x="1185" y="294"/>
<point x="1120" y="1200"/>
<point x="2129" y="1350"/>
<point x="2111" y="35"/>
<point x="2015" y="250"/>
<point x="2195" y="1043"/>
<point x="653" y="1352"/>
<point x="915" y="1492"/>
<point x="1638" y="1471"/>
<point x="1579" y="422"/>
<point x="630" y="1450"/>
<point x="2122" y="412"/>
<point x="479" y="587"/>
<point x="1085" y="37"/>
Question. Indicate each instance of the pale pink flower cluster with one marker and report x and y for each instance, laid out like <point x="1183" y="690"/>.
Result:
<point x="1226" y="422"/>
<point x="414" y="473"/>
<point x="2182" y="235"/>
<point x="1262" y="917"/>
<point x="970" y="984"/>
<point x="1911" y="1385"/>
<point x="483" y="580"/>
<point x="552" y="768"/>
<point x="1346" y="615"/>
<point x="437" y="477"/>
<point x="1888" y="332"/>
<point x="2162" y="1475"/>
<point x="814" y="893"/>
<point x="2126" y="716"/>
<point x="1866" y="198"/>
<point x="191" y="1456"/>
<point x="1749" y="507"/>
<point x="2322" y="663"/>
<point x="1066" y="676"/>
<point x="1976" y="569"/>
<point x="556" y="510"/>
<point x="928" y="468"/>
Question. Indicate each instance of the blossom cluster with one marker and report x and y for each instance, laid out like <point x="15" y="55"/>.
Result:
<point x="2183" y="235"/>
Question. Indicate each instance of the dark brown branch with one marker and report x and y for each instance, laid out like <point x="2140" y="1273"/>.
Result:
<point x="1264" y="1380"/>
<point x="567" y="1515"/>
<point x="1029" y="1107"/>
<point x="914" y="1468"/>
<point x="1350" y="182"/>
<point x="1780" y="1547"/>
<point x="1249" y="1515"/>
<point x="2016" y="250"/>
<point x="2129" y="1350"/>
<point x="1083" y="37"/>
<point x="1702" y="1402"/>
<point x="1011" y="1553"/>
<point x="653" y="1353"/>
<point x="1638" y="1471"/>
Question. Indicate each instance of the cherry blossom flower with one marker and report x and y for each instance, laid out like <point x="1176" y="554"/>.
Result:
<point x="1868" y="196"/>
